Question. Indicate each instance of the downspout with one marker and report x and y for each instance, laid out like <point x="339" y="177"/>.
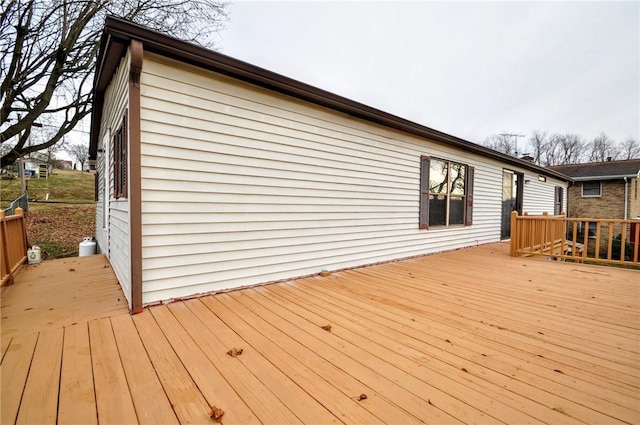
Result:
<point x="626" y="197"/>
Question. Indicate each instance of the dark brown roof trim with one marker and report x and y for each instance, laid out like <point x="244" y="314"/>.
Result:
<point x="119" y="32"/>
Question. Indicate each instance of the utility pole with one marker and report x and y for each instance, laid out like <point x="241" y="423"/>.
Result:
<point x="515" y="138"/>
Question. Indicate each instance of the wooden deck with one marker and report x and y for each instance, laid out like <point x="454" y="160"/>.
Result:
<point x="471" y="336"/>
<point x="61" y="292"/>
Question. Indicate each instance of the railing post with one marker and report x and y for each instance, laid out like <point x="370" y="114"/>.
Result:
<point x="23" y="229"/>
<point x="6" y="267"/>
<point x="514" y="233"/>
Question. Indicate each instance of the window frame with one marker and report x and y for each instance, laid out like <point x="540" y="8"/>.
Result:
<point x="120" y="159"/>
<point x="425" y="193"/>
<point x="599" y="182"/>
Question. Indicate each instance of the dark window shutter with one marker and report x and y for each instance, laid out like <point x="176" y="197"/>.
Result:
<point x="469" y="187"/>
<point x="116" y="163"/>
<point x="125" y="164"/>
<point x="424" y="192"/>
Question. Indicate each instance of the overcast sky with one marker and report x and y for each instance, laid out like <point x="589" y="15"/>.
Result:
<point x="470" y="69"/>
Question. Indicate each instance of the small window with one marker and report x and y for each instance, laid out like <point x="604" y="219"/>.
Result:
<point x="120" y="139"/>
<point x="446" y="189"/>
<point x="591" y="189"/>
<point x="542" y="178"/>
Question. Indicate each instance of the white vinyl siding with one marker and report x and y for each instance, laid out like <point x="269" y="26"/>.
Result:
<point x="243" y="186"/>
<point x="113" y="239"/>
<point x="539" y="197"/>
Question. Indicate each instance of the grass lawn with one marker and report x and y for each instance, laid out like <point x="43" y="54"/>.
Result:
<point x="62" y="186"/>
<point x="59" y="225"/>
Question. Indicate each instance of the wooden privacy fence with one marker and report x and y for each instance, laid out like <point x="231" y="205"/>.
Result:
<point x="13" y="245"/>
<point x="609" y="241"/>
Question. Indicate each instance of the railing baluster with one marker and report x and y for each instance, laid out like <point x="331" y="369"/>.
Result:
<point x="623" y="240"/>
<point x="597" y="250"/>
<point x="610" y="244"/>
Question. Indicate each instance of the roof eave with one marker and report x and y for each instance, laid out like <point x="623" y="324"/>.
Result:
<point x="615" y="177"/>
<point x="122" y="31"/>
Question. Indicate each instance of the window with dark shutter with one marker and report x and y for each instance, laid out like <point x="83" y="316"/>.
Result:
<point x="120" y="139"/>
<point x="446" y="193"/>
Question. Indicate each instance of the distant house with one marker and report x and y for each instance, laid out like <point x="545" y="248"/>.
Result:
<point x="35" y="165"/>
<point x="603" y="189"/>
<point x="215" y="174"/>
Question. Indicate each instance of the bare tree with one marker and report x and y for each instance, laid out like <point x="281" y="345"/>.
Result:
<point x="538" y="142"/>
<point x="501" y="143"/>
<point x="602" y="148"/>
<point x="48" y="53"/>
<point x="571" y="148"/>
<point x="551" y="151"/>
<point x="80" y="152"/>
<point x="630" y="148"/>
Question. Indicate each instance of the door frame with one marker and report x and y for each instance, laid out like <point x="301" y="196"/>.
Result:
<point x="517" y="185"/>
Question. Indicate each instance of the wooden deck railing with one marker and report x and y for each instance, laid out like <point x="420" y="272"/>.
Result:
<point x="13" y="245"/>
<point x="609" y="241"/>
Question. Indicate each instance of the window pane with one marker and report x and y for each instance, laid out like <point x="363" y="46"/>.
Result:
<point x="456" y="210"/>
<point x="458" y="174"/>
<point x="437" y="210"/>
<point x="438" y="176"/>
<point x="591" y="188"/>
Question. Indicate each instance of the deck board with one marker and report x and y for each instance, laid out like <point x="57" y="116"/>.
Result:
<point x="40" y="399"/>
<point x="188" y="402"/>
<point x="13" y="373"/>
<point x="215" y="386"/>
<point x="211" y="332"/>
<point x="470" y="336"/>
<point x="113" y="398"/>
<point x="77" y="403"/>
<point x="149" y="400"/>
<point x="323" y="381"/>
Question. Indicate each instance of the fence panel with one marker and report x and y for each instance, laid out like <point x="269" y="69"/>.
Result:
<point x="20" y="202"/>
<point x="13" y="245"/>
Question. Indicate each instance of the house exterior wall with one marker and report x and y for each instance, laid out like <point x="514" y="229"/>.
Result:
<point x="539" y="197"/>
<point x="243" y="186"/>
<point x="609" y="205"/>
<point x="112" y="236"/>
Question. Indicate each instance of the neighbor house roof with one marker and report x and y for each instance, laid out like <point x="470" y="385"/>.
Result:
<point x="118" y="33"/>
<point x="608" y="170"/>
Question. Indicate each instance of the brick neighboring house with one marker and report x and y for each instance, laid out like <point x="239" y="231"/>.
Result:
<point x="601" y="188"/>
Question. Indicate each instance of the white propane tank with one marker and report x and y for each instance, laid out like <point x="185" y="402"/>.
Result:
<point x="33" y="255"/>
<point x="87" y="247"/>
